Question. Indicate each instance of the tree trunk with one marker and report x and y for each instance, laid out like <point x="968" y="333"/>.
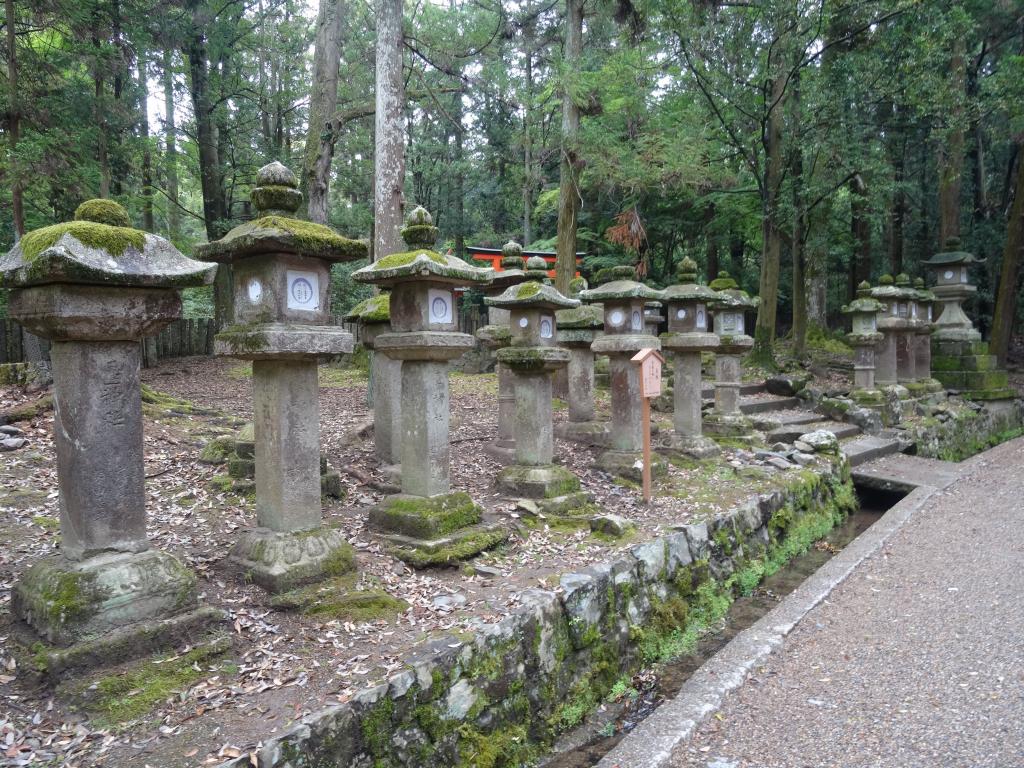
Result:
<point x="569" y="168"/>
<point x="14" y="122"/>
<point x="147" y="152"/>
<point x="170" y="149"/>
<point x="389" y="132"/>
<point x="951" y="151"/>
<point x="860" y="230"/>
<point x="771" y="254"/>
<point x="1004" y="315"/>
<point x="799" y="229"/>
<point x="323" y="103"/>
<point x="528" y="181"/>
<point x="214" y="211"/>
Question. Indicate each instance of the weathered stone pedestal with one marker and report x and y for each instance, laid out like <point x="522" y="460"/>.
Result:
<point x="497" y="335"/>
<point x="864" y="338"/>
<point x="921" y="314"/>
<point x="427" y="524"/>
<point x="894" y="329"/>
<point x="532" y="357"/>
<point x="373" y="315"/>
<point x="623" y="301"/>
<point x="281" y="272"/>
<point x="688" y="335"/>
<point x="960" y="359"/>
<point x="578" y="328"/>
<point x="730" y="304"/>
<point x="95" y="287"/>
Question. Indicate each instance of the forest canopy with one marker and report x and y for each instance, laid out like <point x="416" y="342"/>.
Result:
<point x="803" y="146"/>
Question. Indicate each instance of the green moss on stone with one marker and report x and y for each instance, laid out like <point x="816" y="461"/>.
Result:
<point x="244" y="338"/>
<point x="70" y="597"/>
<point x="341" y="599"/>
<point x="426" y="518"/>
<point x="404" y="259"/>
<point x="526" y="290"/>
<point x="112" y="240"/>
<point x="462" y="549"/>
<point x="103" y="211"/>
<point x="376" y="727"/>
<point x="315" y="238"/>
<point x="376" y="309"/>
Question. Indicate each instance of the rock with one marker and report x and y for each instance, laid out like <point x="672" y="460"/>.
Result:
<point x="528" y="507"/>
<point x="786" y="384"/>
<point x="753" y="473"/>
<point x="780" y="447"/>
<point x="486" y="571"/>
<point x="820" y="441"/>
<point x="612" y="525"/>
<point x="449" y="602"/>
<point x="801" y="446"/>
<point x="801" y="458"/>
<point x="7" y="429"/>
<point x="461" y="699"/>
<point x="12" y="443"/>
<point x="780" y="463"/>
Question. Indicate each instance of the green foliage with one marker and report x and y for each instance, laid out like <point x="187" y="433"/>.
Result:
<point x="113" y="240"/>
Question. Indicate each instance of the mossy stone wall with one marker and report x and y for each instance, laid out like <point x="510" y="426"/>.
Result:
<point x="497" y="697"/>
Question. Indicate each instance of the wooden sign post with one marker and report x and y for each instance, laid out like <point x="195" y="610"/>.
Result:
<point x="650" y="361"/>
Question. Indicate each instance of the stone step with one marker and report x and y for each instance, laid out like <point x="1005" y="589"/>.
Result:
<point x="766" y="403"/>
<point x="755" y="388"/>
<point x="791" y="432"/>
<point x="770" y="420"/>
<point x="867" y="448"/>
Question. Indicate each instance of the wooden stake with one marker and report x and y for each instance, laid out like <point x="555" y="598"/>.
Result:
<point x="646" y="416"/>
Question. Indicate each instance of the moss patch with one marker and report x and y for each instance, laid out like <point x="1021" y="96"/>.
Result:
<point x="465" y="547"/>
<point x="376" y="309"/>
<point x="342" y="598"/>
<point x="426" y="518"/>
<point x="127" y="696"/>
<point x="103" y="211"/>
<point x="315" y="238"/>
<point x="404" y="259"/>
<point x="113" y="240"/>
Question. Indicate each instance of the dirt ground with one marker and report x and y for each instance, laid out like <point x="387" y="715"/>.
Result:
<point x="282" y="665"/>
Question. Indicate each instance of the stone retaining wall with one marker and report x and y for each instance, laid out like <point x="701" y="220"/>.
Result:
<point x="965" y="433"/>
<point x="498" y="696"/>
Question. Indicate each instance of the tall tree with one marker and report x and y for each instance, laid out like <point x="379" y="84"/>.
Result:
<point x="571" y="162"/>
<point x="13" y="120"/>
<point x="389" y="131"/>
<point x="323" y="103"/>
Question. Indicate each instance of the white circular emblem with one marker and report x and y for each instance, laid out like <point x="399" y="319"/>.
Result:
<point x="255" y="290"/>
<point x="523" y="322"/>
<point x="681" y="314"/>
<point x="948" y="274"/>
<point x="616" y="317"/>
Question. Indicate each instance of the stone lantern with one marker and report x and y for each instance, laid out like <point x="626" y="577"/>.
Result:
<point x="890" y="325"/>
<point x="577" y="329"/>
<point x="864" y="338"/>
<point x="906" y="334"/>
<point x="532" y="356"/>
<point x="921" y="314"/>
<point x="497" y="335"/>
<point x="623" y="300"/>
<point x="688" y="335"/>
<point x="374" y="318"/>
<point x="281" y="271"/>
<point x="960" y="359"/>
<point x="730" y="306"/>
<point x="95" y="287"/>
<point x="426" y="524"/>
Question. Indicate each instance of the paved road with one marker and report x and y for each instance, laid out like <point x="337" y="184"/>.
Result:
<point x="917" y="659"/>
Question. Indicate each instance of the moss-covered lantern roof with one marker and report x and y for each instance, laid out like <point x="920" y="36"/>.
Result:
<point x="376" y="309"/>
<point x="532" y="295"/>
<point x="420" y="262"/>
<point x="512" y="264"/>
<point x="588" y="316"/>
<point x="952" y="256"/>
<point x="276" y="229"/>
<point x="729" y="295"/>
<point x="864" y="304"/>
<point x="922" y="294"/>
<point x="621" y="290"/>
<point x="887" y="288"/>
<point x="688" y="289"/>
<point x="100" y="247"/>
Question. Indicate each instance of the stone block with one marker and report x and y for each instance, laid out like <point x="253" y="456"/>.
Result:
<point x="629" y="464"/>
<point x="425" y="517"/>
<point x="652" y="558"/>
<point x="611" y="525"/>
<point x="678" y="554"/>
<point x="280" y="561"/>
<point x="539" y="482"/>
<point x="584" y="599"/>
<point x="331" y="485"/>
<point x="241" y="468"/>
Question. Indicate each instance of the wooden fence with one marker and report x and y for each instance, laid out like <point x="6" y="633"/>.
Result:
<point x="183" y="338"/>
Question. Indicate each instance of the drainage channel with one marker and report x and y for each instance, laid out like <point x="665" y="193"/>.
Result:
<point x="585" y="745"/>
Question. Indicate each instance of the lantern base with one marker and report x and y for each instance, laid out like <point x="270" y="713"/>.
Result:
<point x="67" y="601"/>
<point x="587" y="432"/>
<point x="280" y="561"/>
<point x="425" y="531"/>
<point x="502" y="451"/>
<point x="629" y="464"/>
<point x="537" y="482"/>
<point x="728" y="424"/>
<point x="692" y="446"/>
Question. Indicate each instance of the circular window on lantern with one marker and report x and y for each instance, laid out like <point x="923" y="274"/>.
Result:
<point x="948" y="274"/>
<point x="616" y="318"/>
<point x="255" y="290"/>
<point x="523" y="322"/>
<point x="680" y="314"/>
<point x="547" y="329"/>
<point x="638" y="320"/>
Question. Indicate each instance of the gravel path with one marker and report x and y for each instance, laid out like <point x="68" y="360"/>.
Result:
<point x="916" y="660"/>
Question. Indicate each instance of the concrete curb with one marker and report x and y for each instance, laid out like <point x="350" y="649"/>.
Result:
<point x="651" y="744"/>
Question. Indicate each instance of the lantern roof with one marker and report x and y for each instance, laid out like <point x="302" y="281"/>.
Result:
<point x="421" y="262"/>
<point x="585" y="316"/>
<point x="376" y="309"/>
<point x="531" y="295"/>
<point x="923" y="295"/>
<point x="888" y="288"/>
<point x="864" y="305"/>
<point x="276" y="229"/>
<point x="100" y="247"/>
<point x="952" y="256"/>
<point x="620" y="290"/>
